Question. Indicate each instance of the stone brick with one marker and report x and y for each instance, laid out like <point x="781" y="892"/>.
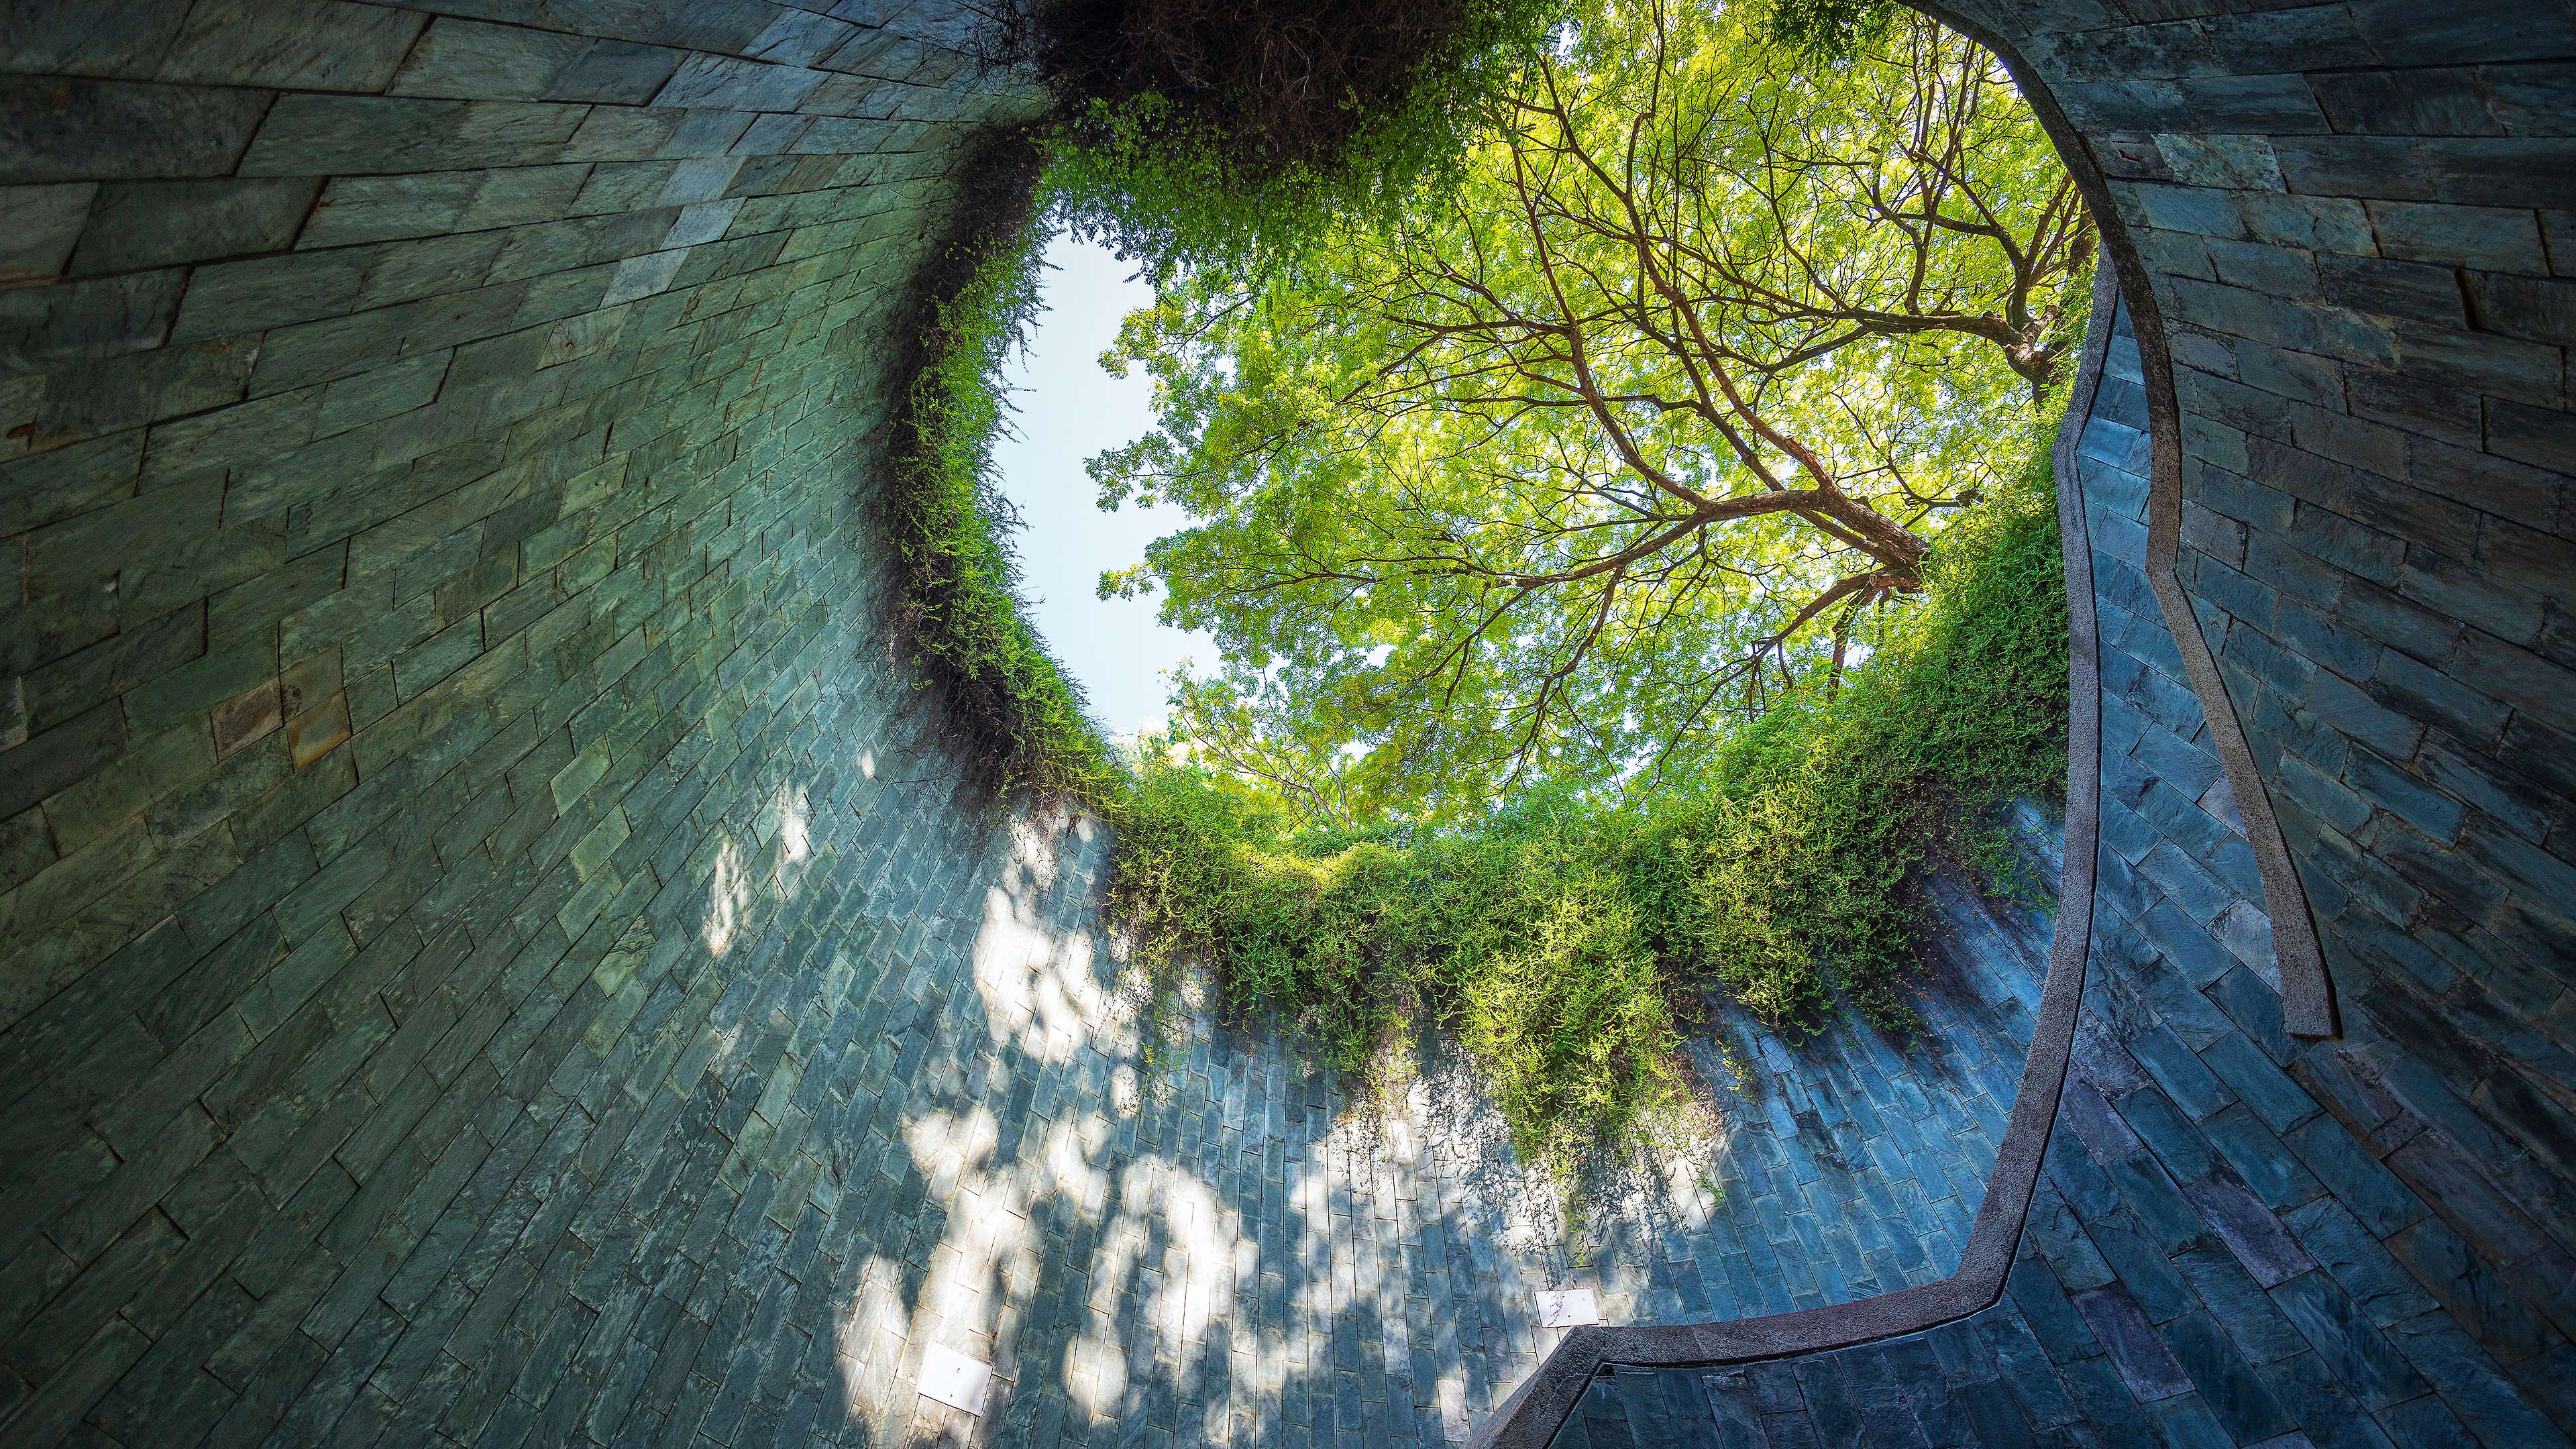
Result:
<point x="60" y="756"/>
<point x="617" y="72"/>
<point x="2394" y="289"/>
<point x="2531" y="435"/>
<point x="2353" y="1350"/>
<point x="2489" y="238"/>
<point x="2236" y="162"/>
<point x="44" y="223"/>
<point x="2474" y="171"/>
<point x="84" y="131"/>
<point x="255" y="295"/>
<point x="2280" y="272"/>
<point x="314" y="135"/>
<point x="2435" y="814"/>
<point x="2479" y="30"/>
<point x="48" y="327"/>
<point x="468" y="60"/>
<point x="2146" y="1365"/>
<point x="246" y="717"/>
<point x="379" y="208"/>
<point x="314" y="45"/>
<point x="2319" y="223"/>
<point x="2427" y="101"/>
<point x="2474" y="1391"/>
<point x="2203" y="211"/>
<point x="2531" y="307"/>
<point x="2283" y="323"/>
<point x="136" y="225"/>
<point x="724" y="83"/>
<point x="123" y="41"/>
<point x="2428" y="694"/>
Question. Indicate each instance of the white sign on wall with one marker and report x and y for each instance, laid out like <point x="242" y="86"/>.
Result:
<point x="954" y="1379"/>
<point x="1568" y="1307"/>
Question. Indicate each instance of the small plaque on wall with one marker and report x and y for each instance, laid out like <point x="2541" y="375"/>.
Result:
<point x="1568" y="1307"/>
<point x="953" y="1379"/>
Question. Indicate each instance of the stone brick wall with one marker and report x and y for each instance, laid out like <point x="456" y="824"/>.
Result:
<point x="2211" y="1258"/>
<point x="490" y="947"/>
<point x="445" y="718"/>
<point x="2350" y="230"/>
<point x="2346" y="231"/>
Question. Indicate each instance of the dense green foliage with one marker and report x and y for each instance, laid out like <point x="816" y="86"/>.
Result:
<point x="1513" y="935"/>
<point x="1636" y="426"/>
<point x="1197" y="134"/>
<point x="1020" y="720"/>
<point x="1567" y="937"/>
<point x="1828" y="30"/>
<point x="1819" y="813"/>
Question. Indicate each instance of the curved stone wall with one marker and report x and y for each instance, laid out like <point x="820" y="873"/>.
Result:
<point x="2209" y="1256"/>
<point x="2336" y="225"/>
<point x="2348" y="227"/>
<point x="489" y="947"/>
<point x="454" y="801"/>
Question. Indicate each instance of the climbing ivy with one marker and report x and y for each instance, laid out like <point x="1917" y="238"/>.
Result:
<point x="1018" y="719"/>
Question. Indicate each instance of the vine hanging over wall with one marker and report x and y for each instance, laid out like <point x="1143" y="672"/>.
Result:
<point x="1019" y="720"/>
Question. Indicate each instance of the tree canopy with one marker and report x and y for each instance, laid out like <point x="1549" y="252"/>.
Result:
<point x="1556" y="471"/>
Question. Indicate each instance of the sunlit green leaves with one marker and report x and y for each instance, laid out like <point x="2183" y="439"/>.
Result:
<point x="1480" y="488"/>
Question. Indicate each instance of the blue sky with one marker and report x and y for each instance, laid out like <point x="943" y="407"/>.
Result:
<point x="1069" y="408"/>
